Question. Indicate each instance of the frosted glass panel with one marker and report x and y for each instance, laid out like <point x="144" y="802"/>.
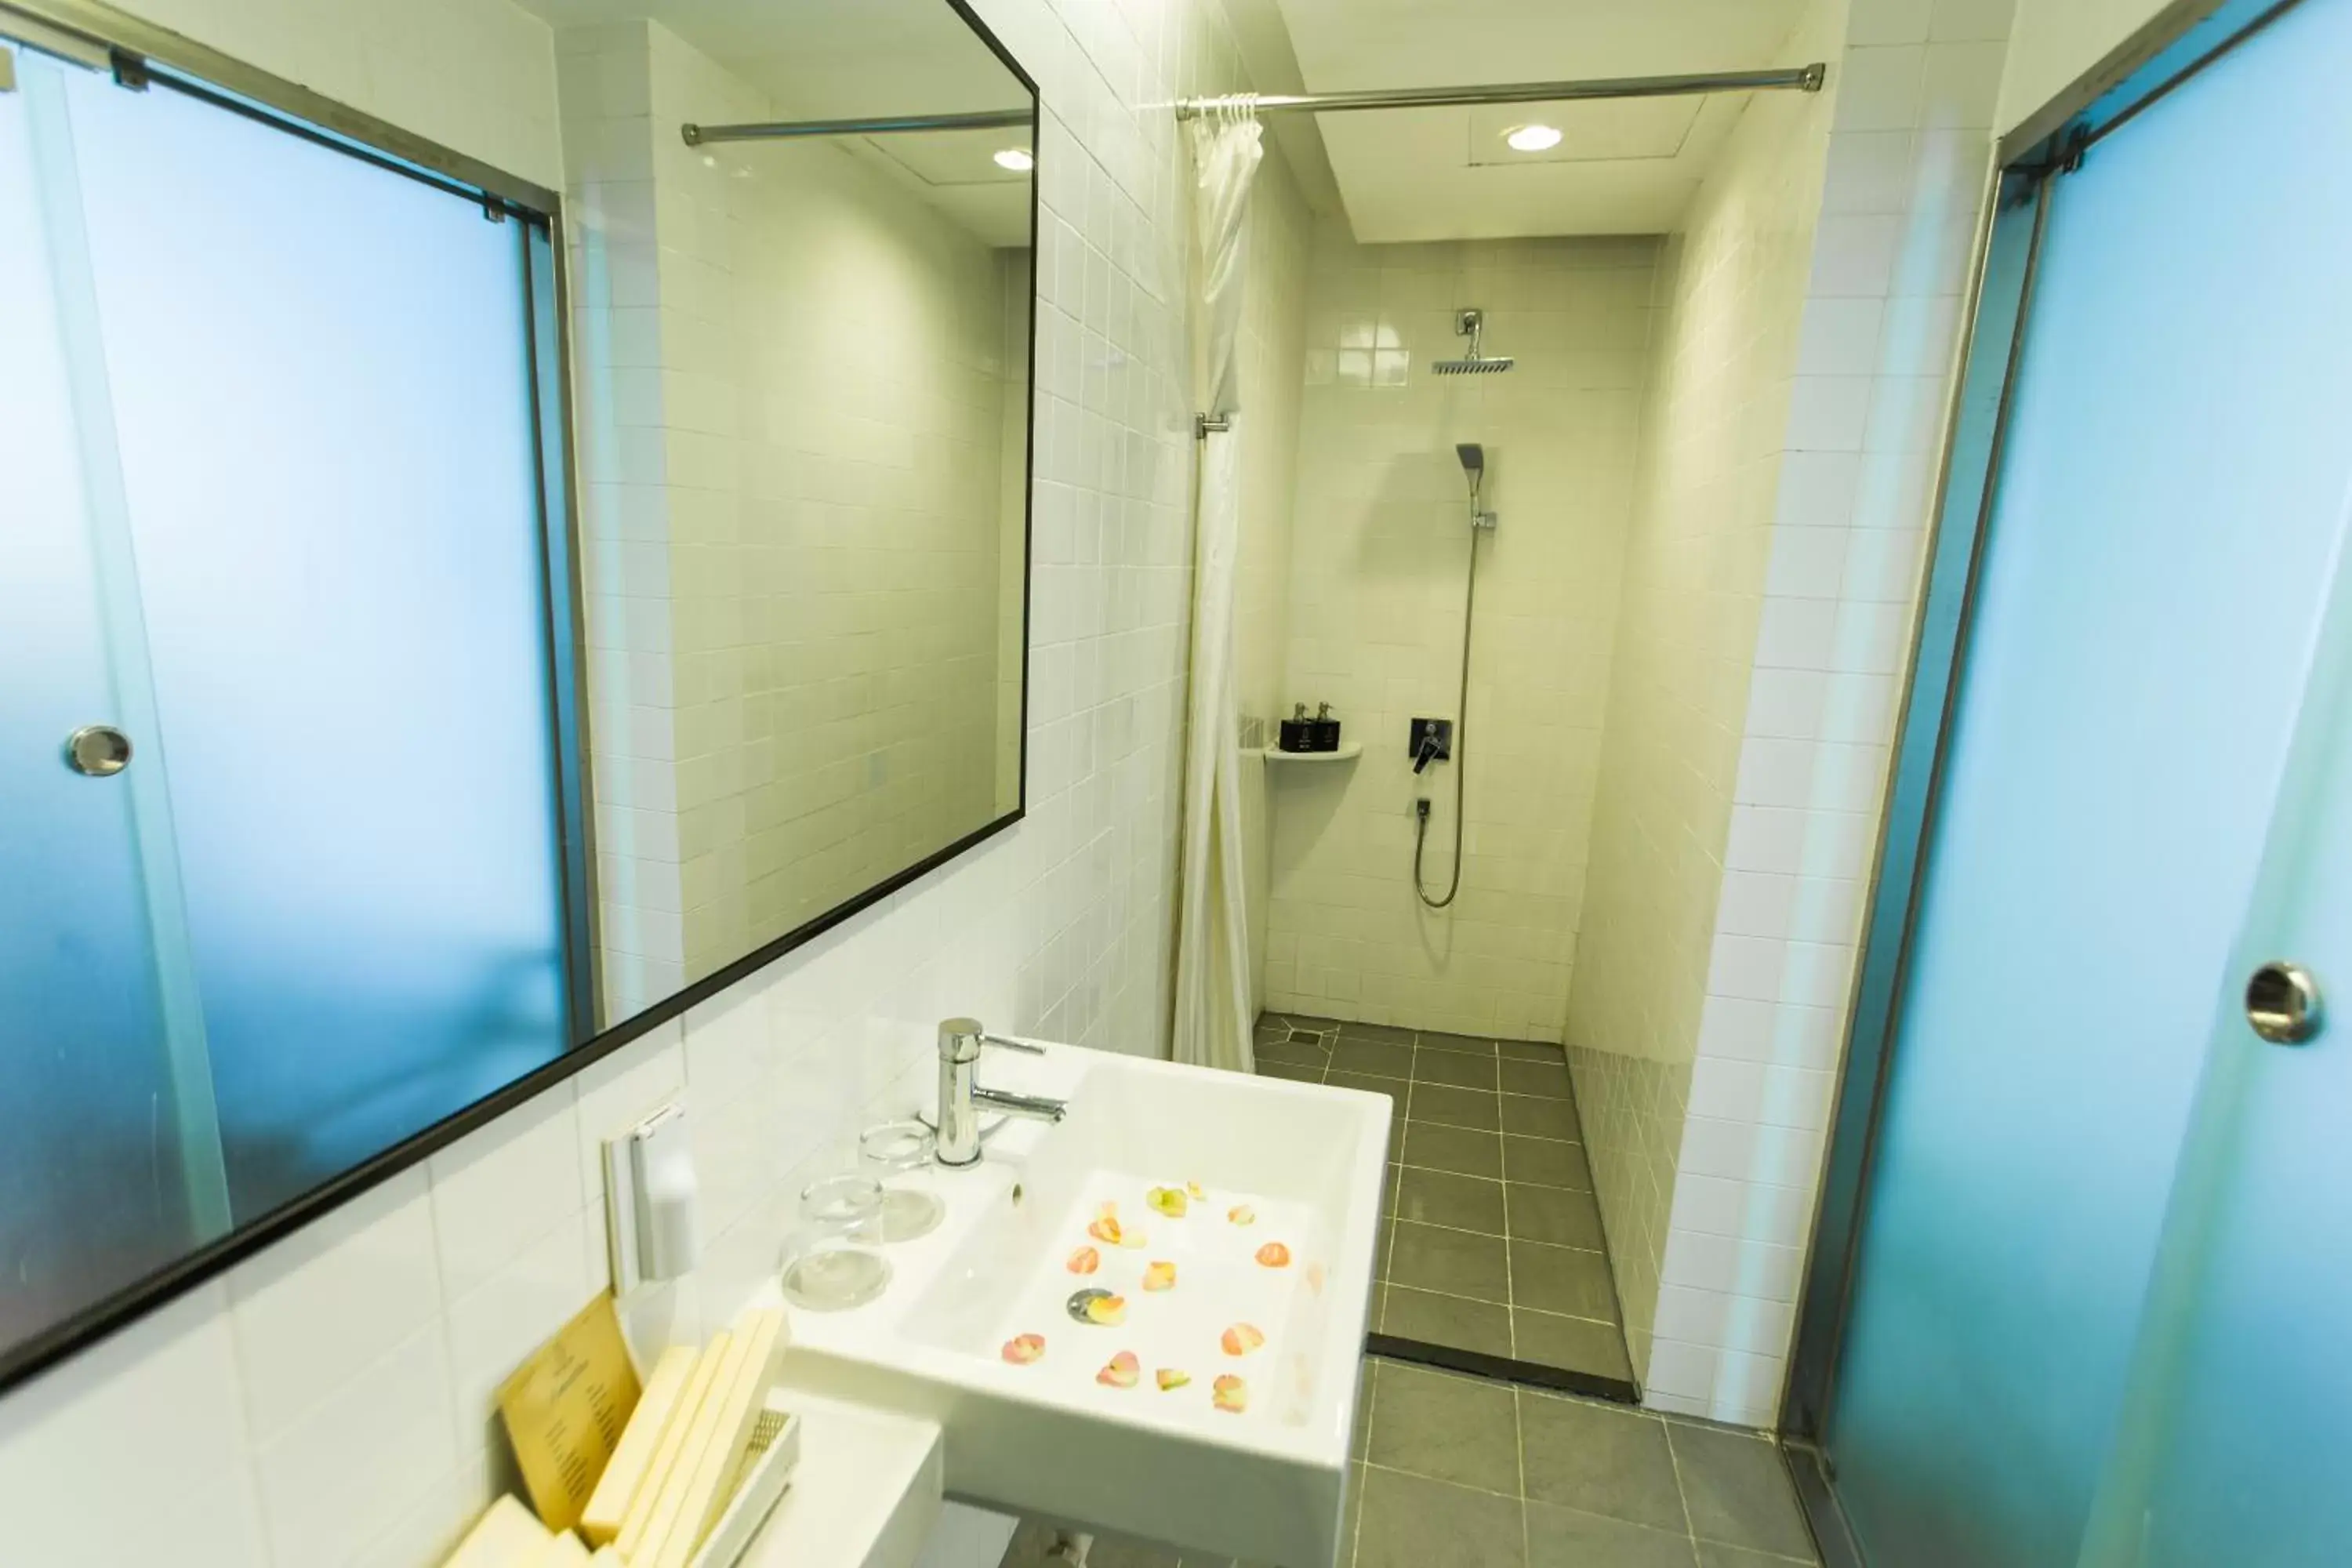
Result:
<point x="2168" y="510"/>
<point x="320" y="379"/>
<point x="90" y="1194"/>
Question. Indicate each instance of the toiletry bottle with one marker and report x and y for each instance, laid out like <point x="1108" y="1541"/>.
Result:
<point x="1325" y="729"/>
<point x="1298" y="730"/>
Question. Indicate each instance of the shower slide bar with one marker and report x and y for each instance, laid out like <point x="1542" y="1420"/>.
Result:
<point x="1799" y="78"/>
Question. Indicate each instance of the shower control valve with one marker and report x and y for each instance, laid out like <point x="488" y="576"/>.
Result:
<point x="1431" y="740"/>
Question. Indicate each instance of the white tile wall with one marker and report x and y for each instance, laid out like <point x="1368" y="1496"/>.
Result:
<point x="1699" y="567"/>
<point x="1380" y="543"/>
<point x="1905" y="170"/>
<point x="324" y="1403"/>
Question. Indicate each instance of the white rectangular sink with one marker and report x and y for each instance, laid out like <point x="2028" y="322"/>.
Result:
<point x="1263" y="1281"/>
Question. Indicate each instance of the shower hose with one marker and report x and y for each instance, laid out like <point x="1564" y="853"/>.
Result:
<point x="1461" y="755"/>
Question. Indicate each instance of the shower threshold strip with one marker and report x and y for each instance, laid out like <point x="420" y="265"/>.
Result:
<point x="1502" y="1368"/>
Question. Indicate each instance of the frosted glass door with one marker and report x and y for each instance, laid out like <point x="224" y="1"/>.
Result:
<point x="2169" y="510"/>
<point x="319" y="374"/>
<point x="92" y="1188"/>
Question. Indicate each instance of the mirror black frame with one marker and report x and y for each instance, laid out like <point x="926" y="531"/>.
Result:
<point x="138" y="52"/>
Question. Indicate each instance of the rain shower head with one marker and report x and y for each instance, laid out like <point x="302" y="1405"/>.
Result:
<point x="1470" y="324"/>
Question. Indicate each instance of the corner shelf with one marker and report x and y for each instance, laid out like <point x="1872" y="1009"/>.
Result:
<point x="1348" y="750"/>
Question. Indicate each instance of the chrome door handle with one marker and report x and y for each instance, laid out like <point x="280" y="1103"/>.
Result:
<point x="101" y="751"/>
<point x="2282" y="1003"/>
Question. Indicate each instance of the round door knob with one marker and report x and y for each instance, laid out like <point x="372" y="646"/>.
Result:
<point x="2282" y="1003"/>
<point x="101" y="750"/>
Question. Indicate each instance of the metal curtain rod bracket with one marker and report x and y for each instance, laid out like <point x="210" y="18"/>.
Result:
<point x="1801" y="79"/>
<point x="887" y="125"/>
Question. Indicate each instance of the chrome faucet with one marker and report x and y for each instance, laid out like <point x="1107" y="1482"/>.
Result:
<point x="962" y="1100"/>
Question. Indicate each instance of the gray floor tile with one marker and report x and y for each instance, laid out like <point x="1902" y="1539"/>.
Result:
<point x="1600" y="1460"/>
<point x="1530" y="1050"/>
<point x="1295" y="1072"/>
<point x="1537" y="1118"/>
<point x="1394" y="1088"/>
<point x="1387" y="1033"/>
<point x="1549" y="1079"/>
<point x="1307" y="1021"/>
<point x="1354" y="1516"/>
<point x="1556" y="1215"/>
<point x="1455" y="1262"/>
<point x="1380" y="1250"/>
<point x="1452" y="1428"/>
<point x="1446" y="1320"/>
<point x="1458" y="1068"/>
<point x="1368" y="1375"/>
<point x="1738" y="1490"/>
<point x="1575" y="1343"/>
<point x="1410" y="1521"/>
<point x="1715" y="1554"/>
<point x="1376" y="1059"/>
<point x="1542" y="1161"/>
<point x="1468" y="1044"/>
<point x="1562" y="1280"/>
<point x="1308" y="1049"/>
<point x="1463" y="1203"/>
<point x="1455" y="1107"/>
<point x="1459" y="1150"/>
<point x="1570" y="1538"/>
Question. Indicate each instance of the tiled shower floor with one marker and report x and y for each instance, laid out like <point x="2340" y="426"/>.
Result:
<point x="1492" y="1244"/>
<point x="1460" y="1472"/>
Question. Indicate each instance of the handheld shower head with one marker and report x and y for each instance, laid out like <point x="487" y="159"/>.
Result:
<point x="1473" y="469"/>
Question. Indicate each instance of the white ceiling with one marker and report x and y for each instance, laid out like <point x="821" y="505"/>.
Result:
<point x="1628" y="167"/>
<point x="853" y="59"/>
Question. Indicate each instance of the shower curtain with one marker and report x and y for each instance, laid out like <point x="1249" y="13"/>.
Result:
<point x="1212" y="1023"/>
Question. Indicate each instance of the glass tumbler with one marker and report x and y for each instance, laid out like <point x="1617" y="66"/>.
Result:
<point x="898" y="1149"/>
<point x="829" y="1265"/>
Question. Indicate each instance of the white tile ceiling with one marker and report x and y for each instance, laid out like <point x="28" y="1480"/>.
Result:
<point x="1625" y="167"/>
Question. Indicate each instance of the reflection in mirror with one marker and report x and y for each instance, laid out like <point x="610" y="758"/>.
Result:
<point x="453" y="735"/>
<point x="805" y="419"/>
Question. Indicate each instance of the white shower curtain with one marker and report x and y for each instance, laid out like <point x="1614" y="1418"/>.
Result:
<point x="1212" y="1023"/>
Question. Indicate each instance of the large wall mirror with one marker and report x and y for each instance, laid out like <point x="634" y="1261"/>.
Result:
<point x="449" y="626"/>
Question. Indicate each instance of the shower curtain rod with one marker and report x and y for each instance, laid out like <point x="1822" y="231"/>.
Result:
<point x="1803" y="79"/>
<point x="786" y="129"/>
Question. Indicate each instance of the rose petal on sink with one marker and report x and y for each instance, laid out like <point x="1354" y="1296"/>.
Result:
<point x="1085" y="1260"/>
<point x="1274" y="1255"/>
<point x="1315" y="1279"/>
<point x="1230" y="1393"/>
<point x="1130" y="1239"/>
<point x="1106" y="1229"/>
<point x="1097" y="1306"/>
<point x="1120" y="1371"/>
<point x="1198" y="1195"/>
<point x="1159" y="1277"/>
<point x="1023" y="1348"/>
<point x="1241" y="1339"/>
<point x="1169" y="1201"/>
<point x="1171" y="1379"/>
<point x="1242" y="1214"/>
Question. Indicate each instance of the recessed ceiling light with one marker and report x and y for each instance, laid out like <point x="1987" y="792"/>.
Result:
<point x="1016" y="159"/>
<point x="1532" y="137"/>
